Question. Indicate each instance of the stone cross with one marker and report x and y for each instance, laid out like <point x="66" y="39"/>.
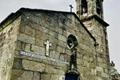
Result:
<point x="71" y="7"/>
<point x="47" y="47"/>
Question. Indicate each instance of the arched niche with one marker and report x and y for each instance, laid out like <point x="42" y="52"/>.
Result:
<point x="72" y="41"/>
<point x="84" y="6"/>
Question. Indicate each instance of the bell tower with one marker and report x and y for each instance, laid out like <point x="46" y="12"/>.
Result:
<point x="90" y="12"/>
<point x="86" y="8"/>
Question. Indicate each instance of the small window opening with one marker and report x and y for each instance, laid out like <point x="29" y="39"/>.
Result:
<point x="84" y="8"/>
<point x="98" y="7"/>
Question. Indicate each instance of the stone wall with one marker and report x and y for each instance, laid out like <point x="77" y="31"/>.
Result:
<point x="98" y="30"/>
<point x="8" y="37"/>
<point x="35" y="29"/>
<point x="94" y="22"/>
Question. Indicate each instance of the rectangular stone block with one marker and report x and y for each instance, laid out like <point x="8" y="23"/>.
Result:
<point x="27" y="75"/>
<point x="62" y="38"/>
<point x="33" y="66"/>
<point x="35" y="49"/>
<point x="26" y="38"/>
<point x="36" y="76"/>
<point x="29" y="31"/>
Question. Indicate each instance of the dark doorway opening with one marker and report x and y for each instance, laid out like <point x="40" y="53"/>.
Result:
<point x="72" y="76"/>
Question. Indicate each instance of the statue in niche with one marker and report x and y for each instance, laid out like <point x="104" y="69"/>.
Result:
<point x="73" y="59"/>
<point x="72" y="43"/>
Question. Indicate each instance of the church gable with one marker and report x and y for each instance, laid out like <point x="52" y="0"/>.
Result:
<point x="46" y="41"/>
<point x="54" y="45"/>
<point x="43" y="38"/>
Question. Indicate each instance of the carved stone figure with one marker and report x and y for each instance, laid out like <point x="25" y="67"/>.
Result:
<point x="73" y="59"/>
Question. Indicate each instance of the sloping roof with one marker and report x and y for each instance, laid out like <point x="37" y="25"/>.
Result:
<point x="97" y="18"/>
<point x="9" y="19"/>
<point x="15" y="15"/>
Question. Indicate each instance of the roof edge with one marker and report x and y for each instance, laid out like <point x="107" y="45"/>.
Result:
<point x="97" y="18"/>
<point x="9" y="19"/>
<point x="15" y="15"/>
<point x="85" y="28"/>
<point x="46" y="10"/>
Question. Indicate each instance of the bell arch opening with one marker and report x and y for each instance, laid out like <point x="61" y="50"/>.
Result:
<point x="84" y="7"/>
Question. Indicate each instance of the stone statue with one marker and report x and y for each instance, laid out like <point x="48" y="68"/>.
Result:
<point x="73" y="59"/>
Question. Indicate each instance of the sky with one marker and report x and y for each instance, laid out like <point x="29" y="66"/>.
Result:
<point x="111" y="16"/>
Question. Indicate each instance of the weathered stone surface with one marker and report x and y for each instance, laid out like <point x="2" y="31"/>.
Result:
<point x="25" y="76"/>
<point x="17" y="64"/>
<point x="16" y="74"/>
<point x="26" y="38"/>
<point x="35" y="48"/>
<point x="46" y="76"/>
<point x="33" y="66"/>
<point x="9" y="36"/>
<point x="98" y="30"/>
<point x="29" y="36"/>
<point x="36" y="76"/>
<point x="29" y="31"/>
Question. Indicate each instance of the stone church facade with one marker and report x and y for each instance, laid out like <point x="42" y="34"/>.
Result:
<point x="54" y="45"/>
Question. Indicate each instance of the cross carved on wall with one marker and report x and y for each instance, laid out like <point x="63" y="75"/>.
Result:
<point x="47" y="47"/>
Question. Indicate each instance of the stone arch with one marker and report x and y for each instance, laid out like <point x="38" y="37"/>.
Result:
<point x="72" y="41"/>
